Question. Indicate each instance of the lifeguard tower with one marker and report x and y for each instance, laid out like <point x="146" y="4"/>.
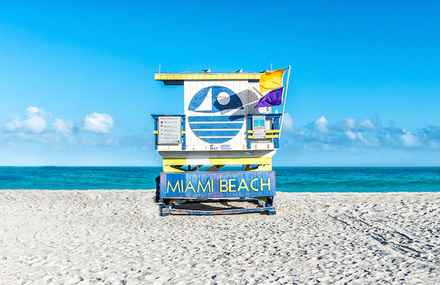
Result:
<point x="221" y="126"/>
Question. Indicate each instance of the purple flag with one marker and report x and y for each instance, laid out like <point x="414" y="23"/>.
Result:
<point x="271" y="99"/>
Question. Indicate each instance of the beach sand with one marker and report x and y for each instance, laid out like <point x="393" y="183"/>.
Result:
<point x="118" y="237"/>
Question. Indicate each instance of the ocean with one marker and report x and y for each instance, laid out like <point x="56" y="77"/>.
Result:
<point x="288" y="179"/>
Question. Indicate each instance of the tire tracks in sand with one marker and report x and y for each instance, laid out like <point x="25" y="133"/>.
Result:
<point x="393" y="239"/>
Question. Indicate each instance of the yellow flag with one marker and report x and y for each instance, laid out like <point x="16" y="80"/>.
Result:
<point x="271" y="80"/>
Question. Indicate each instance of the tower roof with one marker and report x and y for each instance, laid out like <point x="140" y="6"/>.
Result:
<point x="179" y="78"/>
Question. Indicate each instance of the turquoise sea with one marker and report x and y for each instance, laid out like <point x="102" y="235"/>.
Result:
<point x="288" y="179"/>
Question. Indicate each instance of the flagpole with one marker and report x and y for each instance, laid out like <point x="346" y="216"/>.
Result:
<point x="284" y="102"/>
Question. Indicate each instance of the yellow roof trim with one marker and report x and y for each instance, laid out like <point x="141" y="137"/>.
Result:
<point x="178" y="78"/>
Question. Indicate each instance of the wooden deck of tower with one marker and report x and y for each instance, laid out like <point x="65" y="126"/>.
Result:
<point x="221" y="128"/>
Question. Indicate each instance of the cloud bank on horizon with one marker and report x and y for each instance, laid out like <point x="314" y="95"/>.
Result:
<point x="37" y="125"/>
<point x="358" y="134"/>
<point x="95" y="130"/>
<point x="36" y="121"/>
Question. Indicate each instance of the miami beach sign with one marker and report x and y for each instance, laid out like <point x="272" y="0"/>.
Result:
<point x="225" y="184"/>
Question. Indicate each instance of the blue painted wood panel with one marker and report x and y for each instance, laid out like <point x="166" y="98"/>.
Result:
<point x="211" y="126"/>
<point x="222" y="184"/>
<point x="215" y="118"/>
<point x="221" y="132"/>
<point x="216" y="133"/>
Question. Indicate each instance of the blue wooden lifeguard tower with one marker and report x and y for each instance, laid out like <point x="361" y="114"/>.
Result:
<point x="220" y="127"/>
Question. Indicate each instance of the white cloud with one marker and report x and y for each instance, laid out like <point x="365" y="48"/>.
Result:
<point x="34" y="111"/>
<point x="288" y="123"/>
<point x="408" y="139"/>
<point x="61" y="126"/>
<point x="36" y="125"/>
<point x="34" y="122"/>
<point x="360" y="134"/>
<point x="351" y="123"/>
<point x="360" y="137"/>
<point x="13" y="125"/>
<point x="322" y="124"/>
<point x="367" y="124"/>
<point x="352" y="136"/>
<point x="98" y="123"/>
<point x="357" y="125"/>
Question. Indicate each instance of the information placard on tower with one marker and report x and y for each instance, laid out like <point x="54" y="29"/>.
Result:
<point x="169" y="130"/>
<point x="259" y="127"/>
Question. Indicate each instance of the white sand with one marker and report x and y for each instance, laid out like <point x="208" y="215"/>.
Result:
<point x="118" y="237"/>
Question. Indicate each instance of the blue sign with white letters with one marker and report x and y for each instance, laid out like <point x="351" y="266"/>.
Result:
<point x="225" y="184"/>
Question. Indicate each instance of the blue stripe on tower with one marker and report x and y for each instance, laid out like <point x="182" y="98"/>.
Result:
<point x="210" y="125"/>
<point x="216" y="133"/>
<point x="216" y="140"/>
<point x="215" y="118"/>
<point x="216" y="129"/>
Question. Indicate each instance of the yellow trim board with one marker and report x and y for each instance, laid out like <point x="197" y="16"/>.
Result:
<point x="267" y="131"/>
<point x="167" y="168"/>
<point x="240" y="160"/>
<point x="207" y="76"/>
<point x="168" y="162"/>
<point x="157" y="132"/>
<point x="266" y="137"/>
<point x="174" y="161"/>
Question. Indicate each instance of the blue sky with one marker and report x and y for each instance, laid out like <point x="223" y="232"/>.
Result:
<point x="77" y="87"/>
